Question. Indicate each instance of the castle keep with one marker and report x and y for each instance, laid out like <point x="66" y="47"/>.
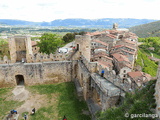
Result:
<point x="101" y="66"/>
<point x="20" y="48"/>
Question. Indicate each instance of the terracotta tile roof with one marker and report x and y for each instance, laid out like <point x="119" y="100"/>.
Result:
<point x="133" y="37"/>
<point x="130" y="42"/>
<point x="111" y="36"/>
<point x="122" y="51"/>
<point x="98" y="41"/>
<point x="135" y="74"/>
<point x="95" y="33"/>
<point x="139" y="77"/>
<point x="119" y="46"/>
<point x="33" y="43"/>
<point x="102" y="54"/>
<point x="120" y="57"/>
<point x="130" y="52"/>
<point x="125" y="64"/>
<point x="105" y="64"/>
<point x="114" y="32"/>
<point x="109" y="58"/>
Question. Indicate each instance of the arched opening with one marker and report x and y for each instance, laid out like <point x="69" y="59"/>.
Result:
<point x="75" y="70"/>
<point x="120" y="36"/>
<point x="77" y="46"/>
<point x="19" y="79"/>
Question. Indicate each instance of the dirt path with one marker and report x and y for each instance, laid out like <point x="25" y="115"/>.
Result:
<point x="32" y="100"/>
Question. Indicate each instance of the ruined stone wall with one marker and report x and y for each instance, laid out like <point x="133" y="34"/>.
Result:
<point x="20" y="47"/>
<point x="157" y="91"/>
<point x="12" y="48"/>
<point x="35" y="73"/>
<point x="82" y="74"/>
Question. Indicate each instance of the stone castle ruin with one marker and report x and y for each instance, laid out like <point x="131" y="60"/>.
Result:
<point x="101" y="66"/>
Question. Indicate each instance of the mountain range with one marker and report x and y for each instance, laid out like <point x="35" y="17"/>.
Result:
<point x="83" y="23"/>
<point x="147" y="30"/>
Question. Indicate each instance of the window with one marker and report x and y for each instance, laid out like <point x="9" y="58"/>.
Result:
<point x="123" y="80"/>
<point x="124" y="71"/>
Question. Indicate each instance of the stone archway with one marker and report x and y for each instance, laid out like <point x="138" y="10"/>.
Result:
<point x="20" y="80"/>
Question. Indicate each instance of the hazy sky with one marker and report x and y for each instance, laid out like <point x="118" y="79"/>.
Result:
<point x="48" y="10"/>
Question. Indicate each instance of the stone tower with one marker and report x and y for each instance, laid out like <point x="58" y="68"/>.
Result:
<point x="20" y="48"/>
<point x="83" y="45"/>
<point x="115" y="26"/>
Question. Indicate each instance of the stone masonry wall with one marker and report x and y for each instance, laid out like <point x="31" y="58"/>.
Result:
<point x="35" y="73"/>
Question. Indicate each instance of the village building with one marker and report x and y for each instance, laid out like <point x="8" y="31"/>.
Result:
<point x="138" y="78"/>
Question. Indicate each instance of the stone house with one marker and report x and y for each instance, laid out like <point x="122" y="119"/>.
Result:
<point x="122" y="64"/>
<point x="138" y="78"/>
<point x="124" y="47"/>
<point x="127" y="42"/>
<point x="109" y="39"/>
<point x="104" y="65"/>
<point x="100" y="50"/>
<point x="101" y="57"/>
<point x="126" y="50"/>
<point x="124" y="68"/>
<point x="97" y="44"/>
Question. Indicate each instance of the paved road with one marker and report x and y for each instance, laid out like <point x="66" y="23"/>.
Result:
<point x="68" y="45"/>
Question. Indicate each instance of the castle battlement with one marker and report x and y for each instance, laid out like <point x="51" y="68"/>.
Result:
<point x="40" y="57"/>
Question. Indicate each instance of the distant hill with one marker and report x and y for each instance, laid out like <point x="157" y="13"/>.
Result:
<point x="147" y="30"/>
<point x="17" y="22"/>
<point x="83" y="23"/>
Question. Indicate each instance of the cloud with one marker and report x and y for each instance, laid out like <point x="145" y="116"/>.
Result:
<point x="48" y="10"/>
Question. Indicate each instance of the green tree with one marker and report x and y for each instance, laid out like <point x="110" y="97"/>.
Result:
<point x="71" y="36"/>
<point x="49" y="43"/>
<point x="68" y="37"/>
<point x="4" y="48"/>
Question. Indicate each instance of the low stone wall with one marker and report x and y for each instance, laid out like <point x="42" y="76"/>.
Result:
<point x="35" y="73"/>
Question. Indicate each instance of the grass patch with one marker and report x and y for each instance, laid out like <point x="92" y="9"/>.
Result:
<point x="156" y="55"/>
<point x="67" y="104"/>
<point x="7" y="105"/>
<point x="148" y="66"/>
